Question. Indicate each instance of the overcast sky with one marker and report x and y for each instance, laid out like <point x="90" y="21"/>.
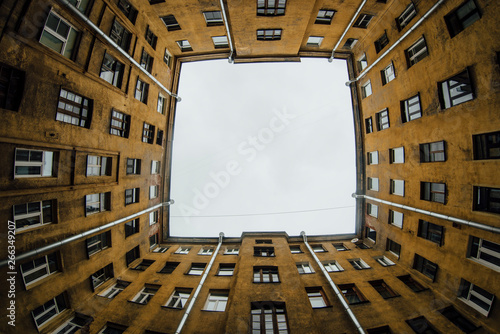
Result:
<point x="263" y="147"/>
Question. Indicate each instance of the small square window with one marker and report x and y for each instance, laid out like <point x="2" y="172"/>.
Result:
<point x="421" y="325"/>
<point x="340" y="247"/>
<point x="96" y="203"/>
<point x="112" y="70"/>
<point x="486" y="199"/>
<point x="366" y="89"/>
<point x="462" y="17"/>
<point x="431" y="232"/>
<point x="372" y="183"/>
<point x="358" y="264"/>
<point x="120" y="35"/>
<point x="206" y="251"/>
<point x="145" y="264"/>
<point x="159" y="137"/>
<point x="74" y="109"/>
<point x="372" y="210"/>
<point x="383" y="289"/>
<point x="153" y="217"/>
<point x="411" y="109"/>
<point x="184" y="45"/>
<point x="120" y="124"/>
<point x="48" y="311"/>
<point x="362" y="21"/>
<point x="317" y="297"/>
<point x="226" y="269"/>
<point x="434" y="192"/>
<point x="183" y="250"/>
<point x="304" y="268"/>
<point x="318" y="249"/>
<point x="146" y="61"/>
<point x="115" y="289"/>
<point x="155" y="167"/>
<point x="196" y="269"/>
<point x="232" y="251"/>
<point x="416" y="52"/>
<point x="141" y="91"/>
<point x="314" y="41"/>
<point x="98" y="242"/>
<point x="382" y="119"/>
<point x="384" y="261"/>
<point x="167" y="58"/>
<point x="456" y="90"/>
<point x="332" y="266"/>
<point x="393" y="247"/>
<point x="352" y="294"/>
<point x="148" y="133"/>
<point x="171" y="23"/>
<point x="382" y="42"/>
<point x="406" y="16"/>
<point x="179" y="298"/>
<point x="362" y="62"/>
<point x="265" y="275"/>
<point x="486" y="146"/>
<point x="213" y="18"/>
<point x="369" y="125"/>
<point x="388" y="74"/>
<point x="263" y="251"/>
<point x="349" y="44"/>
<point x="59" y="35"/>
<point x="425" y="266"/>
<point x="216" y="301"/>
<point x="34" y="214"/>
<point x="131" y="227"/>
<point x="220" y="42"/>
<point x="146" y="294"/>
<point x="98" y="166"/>
<point x="325" y="16"/>
<point x="11" y="87"/>
<point x="458" y="319"/>
<point x="397" y="187"/>
<point x="295" y="249"/>
<point x="132" y="255"/>
<point x="268" y="34"/>
<point x="271" y="7"/>
<point x="39" y="268"/>
<point x="127" y="9"/>
<point x="132" y="195"/>
<point x="133" y="166"/>
<point x="476" y="297"/>
<point x="411" y="283"/>
<point x="370" y="234"/>
<point x="153" y="191"/>
<point x="169" y="267"/>
<point x="396" y="218"/>
<point x="151" y="38"/>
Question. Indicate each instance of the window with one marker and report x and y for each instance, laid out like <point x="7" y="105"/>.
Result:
<point x="169" y="267"/>
<point x="179" y="298"/>
<point x="369" y="125"/>
<point x="184" y="45"/>
<point x="153" y="217"/>
<point x="476" y="297"/>
<point x="120" y="124"/>
<point x="485" y="252"/>
<point x="430" y="231"/>
<point x="95" y="203"/>
<point x="154" y="2"/>
<point x="112" y="70"/>
<point x="381" y="42"/>
<point x="73" y="325"/>
<point x="115" y="289"/>
<point x="362" y="245"/>
<point x="363" y="20"/>
<point x="411" y="283"/>
<point x="425" y="266"/>
<point x="127" y="9"/>
<point x="486" y="199"/>
<point x="384" y="261"/>
<point x="59" y="35"/>
<point x="220" y="42"/>
<point x="39" y="268"/>
<point x="155" y="167"/>
<point x="265" y="275"/>
<point x="183" y="250"/>
<point x="458" y="319"/>
<point x="393" y="247"/>
<point x="358" y="264"/>
<point x="226" y="269"/>
<point x="295" y="249"/>
<point x="268" y="34"/>
<point x="373" y="158"/>
<point x="146" y="61"/>
<point x="340" y="247"/>
<point x="133" y="166"/>
<point x="434" y="192"/>
<point x="132" y="255"/>
<point x="98" y="166"/>
<point x="171" y="23"/>
<point x="81" y="5"/>
<point x="396" y="218"/>
<point x="383" y="289"/>
<point x="398" y="187"/>
<point x="153" y="191"/>
<point x="120" y="35"/>
<point x="370" y="234"/>
<point x="206" y="251"/>
<point x="462" y="17"/>
<point x="213" y="18"/>
<point x="101" y="276"/>
<point x="366" y="89"/>
<point x="304" y="268"/>
<point x="411" y="109"/>
<point x="380" y="330"/>
<point x="159" y="137"/>
<point x="232" y="251"/>
<point x="146" y="294"/>
<point x="151" y="38"/>
<point x="373" y="183"/>
<point x="332" y="266"/>
<point x="362" y="62"/>
<point x="271" y="7"/>
<point x="456" y="90"/>
<point x="416" y="52"/>
<point x="406" y="16"/>
<point x="382" y="118"/>
<point x="157" y="249"/>
<point x="269" y="317"/>
<point x="49" y="310"/>
<point x="34" y="214"/>
<point x="112" y="328"/>
<point x="317" y="297"/>
<point x="98" y="243"/>
<point x="432" y="152"/>
<point x="11" y="87"/>
<point x="216" y="301"/>
<point x="162" y="102"/>
<point x="263" y="251"/>
<point x="314" y="41"/>
<point x="318" y="248"/>
<point x="131" y="227"/>
<point x="349" y="43"/>
<point x="145" y="264"/>
<point x="74" y="109"/>
<point x="372" y="209"/>
<point x="487" y="146"/>
<point x="388" y="74"/>
<point x="132" y="195"/>
<point x="148" y="133"/>
<point x="352" y="294"/>
<point x="325" y="16"/>
<point x="196" y="269"/>
<point x="141" y="91"/>
<point x="167" y="57"/>
<point x="420" y="325"/>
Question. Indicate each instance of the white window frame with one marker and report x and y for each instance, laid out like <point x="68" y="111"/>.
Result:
<point x="473" y="293"/>
<point x="306" y="268"/>
<point x="220" y="41"/>
<point x="232" y="251"/>
<point x="32" y="214"/>
<point x="373" y="158"/>
<point x="216" y="302"/>
<point x="397" y="155"/>
<point x="101" y="202"/>
<point x="134" y="197"/>
<point x="178" y="299"/>
<point x="359" y="264"/>
<point x="153" y="191"/>
<point x="41" y="267"/>
<point x="343" y="249"/>
<point x="182" y="250"/>
<point x="412" y="109"/>
<point x="314" y="41"/>
<point x="372" y="210"/>
<point x="333" y="266"/>
<point x="153" y="218"/>
<point x="295" y="249"/>
<point x="396" y="218"/>
<point x="55" y="34"/>
<point x="316" y="295"/>
<point x="397" y="187"/>
<point x="160" y="107"/>
<point x="102" y="277"/>
<point x="167" y="57"/>
<point x="68" y="327"/>
<point x="225" y="269"/>
<point x="112" y="291"/>
<point x="155" y="167"/>
<point x="196" y="269"/>
<point x="143" y="295"/>
<point x="389" y="73"/>
<point x="101" y="164"/>
<point x="363" y="62"/>
<point x="206" y="251"/>
<point x="46" y="165"/>
<point x="184" y="45"/>
<point x="366" y="89"/>
<point x="47" y="310"/>
<point x="160" y="249"/>
<point x="213" y="20"/>
<point x="416" y="50"/>
<point x="406" y="16"/>
<point x="318" y="248"/>
<point x="373" y="184"/>
<point x="384" y="261"/>
<point x="477" y="258"/>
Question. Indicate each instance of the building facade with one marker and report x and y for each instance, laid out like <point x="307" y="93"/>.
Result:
<point x="87" y="100"/>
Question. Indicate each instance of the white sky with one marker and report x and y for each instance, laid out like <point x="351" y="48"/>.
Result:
<point x="252" y="141"/>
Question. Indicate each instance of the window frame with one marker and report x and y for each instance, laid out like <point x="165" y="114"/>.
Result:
<point x="63" y="39"/>
<point x="448" y="86"/>
<point x="406" y="16"/>
<point x="366" y="89"/>
<point x="133" y="226"/>
<point x="141" y="91"/>
<point x="171" y="22"/>
<point x="383" y="289"/>
<point x="213" y="20"/>
<point x="384" y="261"/>
<point x="114" y="290"/>
<point x="476" y="250"/>
<point x="411" y="283"/>
<point x="416" y="52"/>
<point x="486" y="146"/>
<point x="303" y="266"/>
<point x="279" y="319"/>
<point x="352" y="290"/>
<point x="179" y="298"/>
<point x="430" y="153"/>
<point x="425" y="267"/>
<point x="196" y="269"/>
<point x="130" y="12"/>
<point x="39" y="266"/>
<point x="429" y="192"/>
<point x="220" y="42"/>
<point x="119" y="126"/>
<point x="42" y="213"/>
<point x="13" y="82"/>
<point x="81" y="112"/>
<point x="264" y="8"/>
<point x="146" y="60"/>
<point x="372" y="158"/>
<point x="326" y="17"/>
<point x="372" y="183"/>
<point x="369" y="125"/>
<point x="104" y="203"/>
<point x="151" y="37"/>
<point x="455" y="24"/>
<point x="395" y="186"/>
<point x="359" y="264"/>
<point x="184" y="45"/>
<point x="362" y="21"/>
<point x="226" y="269"/>
<point x="113" y="66"/>
<point x="269" y="34"/>
<point x="467" y="294"/>
<point x="388" y="74"/>
<point x="382" y="119"/>
<point x="397" y="155"/>
<point x="395" y="220"/>
<point x="393" y="248"/>
<point x="316" y="294"/>
<point x="97" y="243"/>
<point x="406" y="105"/>
<point x="102" y="164"/>
<point x="101" y="276"/>
<point x="265" y="274"/>
<point x="314" y="41"/>
<point x="430" y="231"/>
<point x="332" y="266"/>
<point x="218" y="297"/>
<point x="372" y="210"/>
<point x="381" y="42"/>
<point x="120" y="35"/>
<point x="486" y="199"/>
<point x="267" y="251"/>
<point x="146" y="294"/>
<point x="57" y="304"/>
<point x="132" y="195"/>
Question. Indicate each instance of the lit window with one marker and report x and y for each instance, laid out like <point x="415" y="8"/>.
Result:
<point x="98" y="166"/>
<point x="304" y="268"/>
<point x="59" y="35"/>
<point x="120" y="124"/>
<point x="169" y="267"/>
<point x="362" y="62"/>
<point x="295" y="249"/>
<point x="112" y="70"/>
<point x="132" y="255"/>
<point x="396" y="218"/>
<point x="167" y="57"/>
<point x="39" y="268"/>
<point x="363" y="20"/>
<point x="381" y="42"/>
<point x="184" y="45"/>
<point x="148" y="133"/>
<point x="153" y="217"/>
<point x="145" y="264"/>
<point x="352" y="294"/>
<point x="74" y="109"/>
<point x="265" y="275"/>
<point x="74" y="324"/>
<point x="95" y="203"/>
<point x="206" y="251"/>
<point x="127" y="9"/>
<point x="333" y="266"/>
<point x="340" y="247"/>
<point x="318" y="249"/>
<point x="486" y="199"/>
<point x="434" y="192"/>
<point x="487" y="146"/>
<point x="456" y="90"/>
<point x="213" y="18"/>
<point x="171" y="23"/>
<point x="366" y="89"/>
<point x="317" y="297"/>
<point x="155" y="167"/>
<point x="382" y="119"/>
<point x="131" y="227"/>
<point x="146" y="61"/>
<point x="432" y="152"/>
<point x="369" y="125"/>
<point x="232" y="251"/>
<point x="358" y="264"/>
<point x="263" y="251"/>
<point x="120" y="35"/>
<point x="11" y="87"/>
<point x="430" y="231"/>
<point x="383" y="289"/>
<point x="34" y="214"/>
<point x="411" y="283"/>
<point x="101" y="276"/>
<point x="411" y="109"/>
<point x="420" y="325"/>
<point x="370" y="234"/>
<point x="133" y="166"/>
<point x="416" y="52"/>
<point x="49" y="310"/>
<point x="269" y="317"/>
<point x="372" y="210"/>
<point x="151" y="38"/>
<point x="458" y="319"/>
<point x="271" y="7"/>
<point x="476" y="297"/>
<point x="325" y="16"/>
<point x="393" y="247"/>
<point x="485" y="252"/>
<point x="132" y="195"/>
<point x="216" y="301"/>
<point x="373" y="158"/>
<point x="268" y="34"/>
<point x="162" y="101"/>
<point x="196" y="269"/>
<point x="314" y="41"/>
<point x="226" y="269"/>
<point x="425" y="266"/>
<point x="98" y="243"/>
<point x="372" y="183"/>
<point x="179" y="298"/>
<point x="384" y="261"/>
<point x="183" y="250"/>
<point x="115" y="289"/>
<point x="397" y="187"/>
<point x="388" y="74"/>
<point x="220" y="42"/>
<point x="146" y="294"/>
<point x="462" y="17"/>
<point x="141" y="91"/>
<point x="406" y="16"/>
<point x="153" y="191"/>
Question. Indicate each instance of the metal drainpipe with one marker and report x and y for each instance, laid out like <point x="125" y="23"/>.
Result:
<point x="433" y="214"/>
<point x="429" y="12"/>
<point x="339" y="295"/>
<point x="84" y="234"/>
<point x="117" y="48"/>
<point x="345" y="31"/>
<point x="198" y="289"/>
<point x="230" y="60"/>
